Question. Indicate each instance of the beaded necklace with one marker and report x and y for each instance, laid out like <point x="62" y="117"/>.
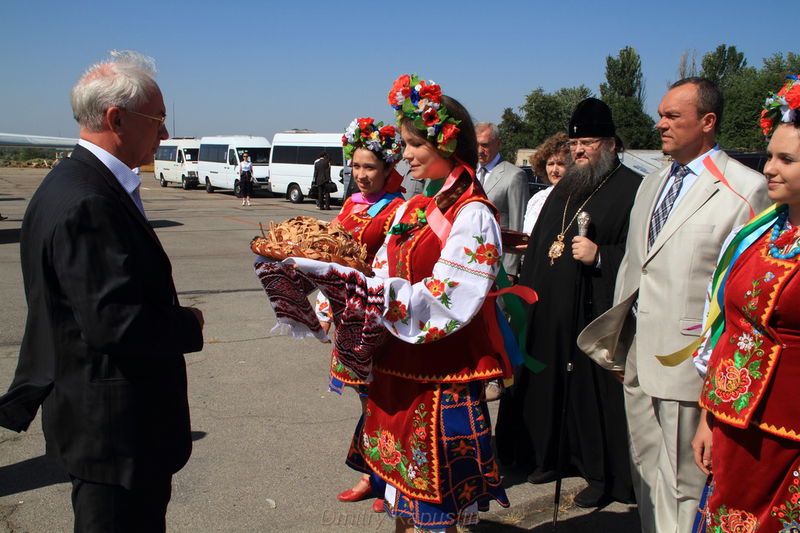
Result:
<point x="790" y="250"/>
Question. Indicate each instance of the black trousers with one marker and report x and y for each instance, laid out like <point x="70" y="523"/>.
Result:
<point x="323" y="198"/>
<point x="101" y="508"/>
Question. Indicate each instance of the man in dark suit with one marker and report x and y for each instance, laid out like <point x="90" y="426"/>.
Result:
<point x="322" y="176"/>
<point x="105" y="336"/>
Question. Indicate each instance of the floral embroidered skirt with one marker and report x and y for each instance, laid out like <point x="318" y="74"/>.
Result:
<point x="756" y="483"/>
<point x="441" y="462"/>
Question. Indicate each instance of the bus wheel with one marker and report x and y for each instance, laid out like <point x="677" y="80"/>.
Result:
<point x="209" y="188"/>
<point x="163" y="181"/>
<point x="184" y="184"/>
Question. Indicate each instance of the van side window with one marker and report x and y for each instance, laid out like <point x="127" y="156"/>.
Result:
<point x="232" y="157"/>
<point x="308" y="154"/>
<point x="180" y="156"/>
<point x="284" y="154"/>
<point x="337" y="155"/>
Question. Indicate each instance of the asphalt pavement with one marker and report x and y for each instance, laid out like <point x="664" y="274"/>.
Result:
<point x="269" y="438"/>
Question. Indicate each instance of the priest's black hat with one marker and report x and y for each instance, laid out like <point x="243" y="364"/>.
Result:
<point x="591" y="118"/>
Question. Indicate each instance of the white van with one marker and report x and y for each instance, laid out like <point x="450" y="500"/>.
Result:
<point x="176" y="162"/>
<point x="292" y="162"/>
<point x="220" y="157"/>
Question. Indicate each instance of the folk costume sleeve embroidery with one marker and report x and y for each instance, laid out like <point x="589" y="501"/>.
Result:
<point x="446" y="300"/>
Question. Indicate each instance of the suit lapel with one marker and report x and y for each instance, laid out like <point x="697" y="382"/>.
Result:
<point x="85" y="156"/>
<point x="701" y="191"/>
<point x="494" y="177"/>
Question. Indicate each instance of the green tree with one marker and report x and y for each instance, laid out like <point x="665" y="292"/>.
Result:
<point x="687" y="65"/>
<point x="512" y="134"/>
<point x="542" y="115"/>
<point x="624" y="94"/>
<point x="721" y="65"/>
<point x="745" y="91"/>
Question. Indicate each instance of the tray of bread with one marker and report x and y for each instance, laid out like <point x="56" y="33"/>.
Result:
<point x="311" y="238"/>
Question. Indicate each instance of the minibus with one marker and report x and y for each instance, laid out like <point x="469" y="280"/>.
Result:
<point x="291" y="164"/>
<point x="176" y="162"/>
<point x="220" y="157"/>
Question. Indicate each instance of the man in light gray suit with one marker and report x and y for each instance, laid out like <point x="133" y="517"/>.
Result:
<point x="506" y="186"/>
<point x="679" y="220"/>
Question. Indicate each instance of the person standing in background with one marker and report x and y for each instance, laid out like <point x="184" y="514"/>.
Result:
<point x="322" y="176"/>
<point x="574" y="275"/>
<point x="679" y="221"/>
<point x="246" y="178"/>
<point x="506" y="186"/>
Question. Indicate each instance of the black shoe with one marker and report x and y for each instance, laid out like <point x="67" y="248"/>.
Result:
<point x="538" y="477"/>
<point x="591" y="496"/>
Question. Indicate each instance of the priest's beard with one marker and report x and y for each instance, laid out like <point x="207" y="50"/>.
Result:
<point x="580" y="181"/>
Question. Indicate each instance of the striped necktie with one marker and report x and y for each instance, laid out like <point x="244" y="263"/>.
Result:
<point x="661" y="213"/>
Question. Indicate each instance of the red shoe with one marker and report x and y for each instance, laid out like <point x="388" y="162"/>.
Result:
<point x="377" y="505"/>
<point x="351" y="495"/>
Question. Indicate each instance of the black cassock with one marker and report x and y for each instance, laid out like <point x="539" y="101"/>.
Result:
<point x="570" y="296"/>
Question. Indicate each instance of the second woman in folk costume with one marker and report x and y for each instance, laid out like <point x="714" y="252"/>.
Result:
<point x="372" y="150"/>
<point x="749" y="436"/>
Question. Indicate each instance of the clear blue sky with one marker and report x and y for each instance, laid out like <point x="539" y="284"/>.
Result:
<point x="257" y="67"/>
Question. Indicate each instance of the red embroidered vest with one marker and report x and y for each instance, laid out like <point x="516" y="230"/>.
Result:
<point x="472" y="353"/>
<point x="741" y="386"/>
<point x="367" y="230"/>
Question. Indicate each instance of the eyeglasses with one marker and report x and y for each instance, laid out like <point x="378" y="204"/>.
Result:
<point x="161" y="119"/>
<point x="586" y="143"/>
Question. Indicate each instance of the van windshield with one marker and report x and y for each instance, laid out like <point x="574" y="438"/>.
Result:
<point x="191" y="153"/>
<point x="258" y="156"/>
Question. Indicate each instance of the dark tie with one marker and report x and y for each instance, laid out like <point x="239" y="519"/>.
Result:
<point x="482" y="174"/>
<point x="661" y="213"/>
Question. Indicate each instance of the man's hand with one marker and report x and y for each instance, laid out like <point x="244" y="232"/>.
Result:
<point x="198" y="314"/>
<point x="584" y="250"/>
<point x="701" y="443"/>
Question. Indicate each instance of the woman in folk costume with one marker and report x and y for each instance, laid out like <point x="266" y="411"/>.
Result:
<point x="426" y="431"/>
<point x="750" y="433"/>
<point x="372" y="150"/>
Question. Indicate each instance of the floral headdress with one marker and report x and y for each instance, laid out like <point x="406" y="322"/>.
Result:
<point x="385" y="141"/>
<point x="421" y="101"/>
<point x="781" y="106"/>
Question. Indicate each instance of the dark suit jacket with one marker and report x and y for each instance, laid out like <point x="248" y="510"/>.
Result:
<point x="322" y="171"/>
<point x="105" y="337"/>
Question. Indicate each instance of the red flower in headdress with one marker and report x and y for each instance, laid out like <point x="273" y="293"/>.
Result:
<point x="401" y="82"/>
<point x="387" y="131"/>
<point x="766" y="125"/>
<point x="364" y="124"/>
<point x="431" y="92"/>
<point x="449" y="132"/>
<point x="430" y="116"/>
<point x="793" y="96"/>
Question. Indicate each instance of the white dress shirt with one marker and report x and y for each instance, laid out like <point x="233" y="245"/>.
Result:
<point x="126" y="177"/>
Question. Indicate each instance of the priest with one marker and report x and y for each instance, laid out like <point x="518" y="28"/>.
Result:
<point x="573" y="272"/>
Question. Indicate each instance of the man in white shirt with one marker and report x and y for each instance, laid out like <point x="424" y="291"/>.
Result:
<point x="105" y="335"/>
<point x="679" y="220"/>
<point x="506" y="186"/>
